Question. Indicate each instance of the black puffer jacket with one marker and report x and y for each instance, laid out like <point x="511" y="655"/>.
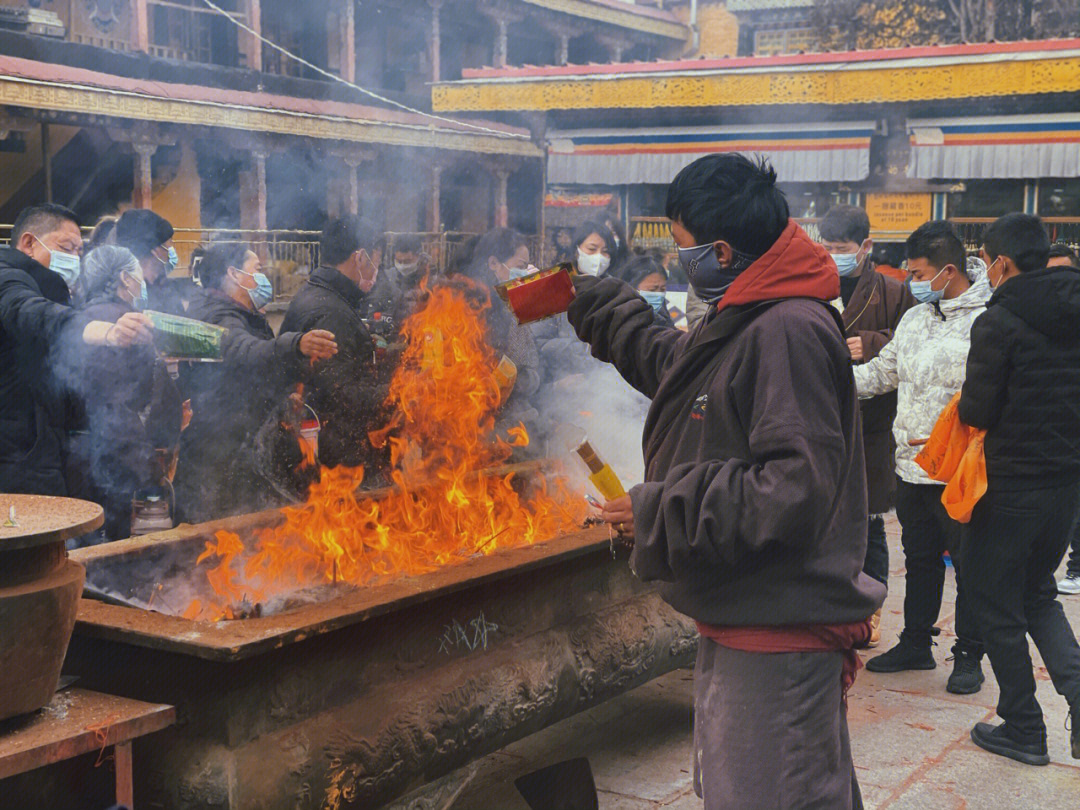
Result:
<point x="1023" y="380"/>
<point x="343" y="389"/>
<point x="33" y="313"/>
<point x="220" y="472"/>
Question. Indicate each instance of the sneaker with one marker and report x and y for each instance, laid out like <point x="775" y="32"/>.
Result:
<point x="1070" y="585"/>
<point x="997" y="740"/>
<point x="902" y="657"/>
<point x="967" y="675"/>
<point x="875" y="629"/>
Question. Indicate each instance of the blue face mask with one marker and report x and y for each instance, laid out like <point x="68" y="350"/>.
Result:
<point x="923" y="292"/>
<point x="173" y="260"/>
<point x="845" y="263"/>
<point x="709" y="280"/>
<point x="656" y="299"/>
<point x="263" y="293"/>
<point x="66" y="265"/>
<point x="138" y="302"/>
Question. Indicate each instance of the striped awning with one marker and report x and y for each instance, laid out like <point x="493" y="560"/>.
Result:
<point x="992" y="148"/>
<point x="807" y="153"/>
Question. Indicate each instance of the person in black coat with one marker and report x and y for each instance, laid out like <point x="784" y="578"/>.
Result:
<point x="223" y="470"/>
<point x="1023" y="388"/>
<point x="130" y="406"/>
<point x="343" y="390"/>
<point x="150" y="237"/>
<point x="35" y="274"/>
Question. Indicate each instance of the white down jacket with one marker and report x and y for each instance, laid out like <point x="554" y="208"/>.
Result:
<point x="925" y="363"/>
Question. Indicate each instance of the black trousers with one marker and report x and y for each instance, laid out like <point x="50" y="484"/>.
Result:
<point x="1012" y="547"/>
<point x="928" y="532"/>
<point x="1073" y="566"/>
<point x="876" y="564"/>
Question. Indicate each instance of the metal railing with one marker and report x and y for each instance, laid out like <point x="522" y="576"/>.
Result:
<point x="1059" y="229"/>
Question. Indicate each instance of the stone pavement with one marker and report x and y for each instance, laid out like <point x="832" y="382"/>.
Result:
<point x="909" y="737"/>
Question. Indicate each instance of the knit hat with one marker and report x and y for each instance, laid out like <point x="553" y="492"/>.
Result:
<point x="141" y="230"/>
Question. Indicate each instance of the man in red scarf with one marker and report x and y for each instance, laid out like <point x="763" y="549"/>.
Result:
<point x="753" y="512"/>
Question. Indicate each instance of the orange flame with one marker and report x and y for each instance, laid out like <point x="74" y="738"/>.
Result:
<point x="442" y="506"/>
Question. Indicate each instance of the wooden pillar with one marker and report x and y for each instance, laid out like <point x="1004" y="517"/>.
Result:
<point x="249" y="45"/>
<point x="501" y="32"/>
<point x="46" y="161"/>
<point x="348" y="42"/>
<point x="502" y="207"/>
<point x="140" y="26"/>
<point x="260" y="189"/>
<point x="434" y="217"/>
<point x="435" y="39"/>
<point x="142" y="196"/>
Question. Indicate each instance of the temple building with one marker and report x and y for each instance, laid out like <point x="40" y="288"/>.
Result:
<point x="192" y="108"/>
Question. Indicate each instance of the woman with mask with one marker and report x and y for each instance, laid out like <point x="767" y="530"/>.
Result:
<point x="561" y="353"/>
<point x="500" y="255"/>
<point x="127" y="402"/>
<point x="223" y="468"/>
<point x="646" y="275"/>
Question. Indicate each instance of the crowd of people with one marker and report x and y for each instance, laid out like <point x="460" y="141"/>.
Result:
<point x="784" y="425"/>
<point x="103" y="416"/>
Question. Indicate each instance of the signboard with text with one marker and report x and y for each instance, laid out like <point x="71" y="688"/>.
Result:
<point x="894" y="216"/>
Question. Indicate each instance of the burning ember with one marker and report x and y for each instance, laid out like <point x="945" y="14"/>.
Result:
<point x="443" y="506"/>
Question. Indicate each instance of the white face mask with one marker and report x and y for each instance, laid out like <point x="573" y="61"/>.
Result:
<point x="594" y="264"/>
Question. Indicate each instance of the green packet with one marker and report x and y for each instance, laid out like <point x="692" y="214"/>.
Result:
<point x="180" y="337"/>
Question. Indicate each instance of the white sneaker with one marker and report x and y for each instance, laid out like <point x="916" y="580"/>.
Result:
<point x="1070" y="585"/>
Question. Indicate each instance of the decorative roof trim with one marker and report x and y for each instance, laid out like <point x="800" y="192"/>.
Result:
<point x="624" y="15"/>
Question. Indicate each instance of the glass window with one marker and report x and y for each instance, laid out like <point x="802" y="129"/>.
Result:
<point x="986" y="198"/>
<point x="1059" y="197"/>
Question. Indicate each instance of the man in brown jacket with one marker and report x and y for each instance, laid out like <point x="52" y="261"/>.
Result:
<point x="872" y="305"/>
<point x="753" y="512"/>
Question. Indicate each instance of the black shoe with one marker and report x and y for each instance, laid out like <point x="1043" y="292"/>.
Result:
<point x="996" y="740"/>
<point x="902" y="657"/>
<point x="967" y="675"/>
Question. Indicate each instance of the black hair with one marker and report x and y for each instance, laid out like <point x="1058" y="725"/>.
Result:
<point x="590" y="226"/>
<point x="1020" y="237"/>
<point x="890" y="254"/>
<point x="638" y="268"/>
<point x="407" y="243"/>
<point x="1060" y="250"/>
<point x="104" y="233"/>
<point x="728" y="197"/>
<point x="845" y="223"/>
<point x="502" y="243"/>
<point x="142" y="231"/>
<point x="341" y="238"/>
<point x="937" y="242"/>
<point x="40" y="220"/>
<point x="210" y="264"/>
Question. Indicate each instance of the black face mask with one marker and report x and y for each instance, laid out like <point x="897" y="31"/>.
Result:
<point x="709" y="280"/>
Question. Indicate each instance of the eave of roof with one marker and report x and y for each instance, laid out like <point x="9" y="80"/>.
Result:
<point x="624" y="15"/>
<point x="39" y="85"/>
<point x="902" y="74"/>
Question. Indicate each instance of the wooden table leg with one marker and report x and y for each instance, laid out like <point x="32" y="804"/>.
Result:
<point x="124" y="787"/>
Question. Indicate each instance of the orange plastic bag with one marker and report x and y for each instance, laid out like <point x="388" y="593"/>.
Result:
<point x="954" y="455"/>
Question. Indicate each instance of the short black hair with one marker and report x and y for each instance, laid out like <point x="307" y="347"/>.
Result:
<point x="845" y="223"/>
<point x="209" y="265"/>
<point x="502" y="243"/>
<point x="40" y="220"/>
<point x="731" y="198"/>
<point x="407" y="243"/>
<point x="1060" y="250"/>
<point x="1020" y="237"/>
<point x="937" y="242"/>
<point x="341" y="238"/>
<point x="590" y="226"/>
<point x="140" y="230"/>
<point x="638" y="268"/>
